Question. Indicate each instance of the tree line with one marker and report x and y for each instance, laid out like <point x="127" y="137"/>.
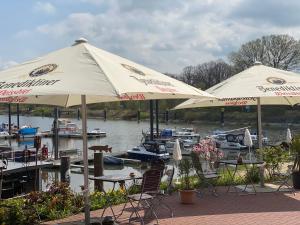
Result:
<point x="278" y="51"/>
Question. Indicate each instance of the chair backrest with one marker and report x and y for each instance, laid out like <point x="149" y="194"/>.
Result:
<point x="207" y="167"/>
<point x="232" y="155"/>
<point x="158" y="164"/>
<point x="196" y="163"/>
<point x="151" y="181"/>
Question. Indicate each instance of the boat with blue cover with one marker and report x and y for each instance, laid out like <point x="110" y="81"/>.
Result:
<point x="28" y="131"/>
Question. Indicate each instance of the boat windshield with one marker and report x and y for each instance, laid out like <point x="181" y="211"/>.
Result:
<point x="155" y="147"/>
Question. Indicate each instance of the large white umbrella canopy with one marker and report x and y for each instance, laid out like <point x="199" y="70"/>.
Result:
<point x="256" y="85"/>
<point x="272" y="86"/>
<point x="83" y="74"/>
<point x="61" y="77"/>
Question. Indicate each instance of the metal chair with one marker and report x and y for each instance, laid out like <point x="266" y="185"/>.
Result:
<point x="165" y="193"/>
<point x="284" y="178"/>
<point x="158" y="164"/>
<point x="3" y="166"/>
<point x="205" y="177"/>
<point x="149" y="191"/>
<point x="232" y="155"/>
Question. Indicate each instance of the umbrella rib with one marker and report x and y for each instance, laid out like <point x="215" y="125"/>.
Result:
<point x="285" y="97"/>
<point x="91" y="54"/>
<point x="67" y="101"/>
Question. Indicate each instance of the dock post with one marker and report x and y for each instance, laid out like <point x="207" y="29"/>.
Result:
<point x="37" y="146"/>
<point x="78" y="114"/>
<point x="104" y="114"/>
<point x="55" y="132"/>
<point x="9" y="118"/>
<point x="18" y="116"/>
<point x="167" y="117"/>
<point x="98" y="170"/>
<point x="65" y="169"/>
<point x="138" y="116"/>
<point x="222" y="116"/>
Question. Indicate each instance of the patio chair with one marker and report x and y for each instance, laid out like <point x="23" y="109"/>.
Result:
<point x="232" y="155"/>
<point x="149" y="192"/>
<point x="284" y="178"/>
<point x="165" y="193"/>
<point x="158" y="164"/>
<point x="205" y="176"/>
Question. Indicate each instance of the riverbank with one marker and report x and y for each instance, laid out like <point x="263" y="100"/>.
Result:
<point x="232" y="115"/>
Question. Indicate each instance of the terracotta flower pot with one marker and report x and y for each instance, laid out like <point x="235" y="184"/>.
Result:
<point x="187" y="196"/>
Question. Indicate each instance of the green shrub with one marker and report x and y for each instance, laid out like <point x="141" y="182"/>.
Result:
<point x="252" y="175"/>
<point x="274" y="157"/>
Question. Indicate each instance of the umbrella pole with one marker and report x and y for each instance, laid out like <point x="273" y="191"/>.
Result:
<point x="151" y="120"/>
<point x="85" y="161"/>
<point x="259" y="127"/>
<point x="259" y="133"/>
<point x="156" y="118"/>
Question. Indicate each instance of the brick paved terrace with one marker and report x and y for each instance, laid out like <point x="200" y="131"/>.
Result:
<point x="226" y="209"/>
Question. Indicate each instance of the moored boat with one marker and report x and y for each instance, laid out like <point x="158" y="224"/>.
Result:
<point x="97" y="132"/>
<point x="112" y="160"/>
<point x="234" y="139"/>
<point x="148" y="151"/>
<point x="27" y="131"/>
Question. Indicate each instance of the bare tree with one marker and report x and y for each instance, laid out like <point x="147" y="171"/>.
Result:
<point x="207" y="74"/>
<point x="279" y="51"/>
<point x="187" y="75"/>
<point x="211" y="73"/>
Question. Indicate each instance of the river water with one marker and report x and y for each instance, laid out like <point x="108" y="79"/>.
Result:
<point x="121" y="136"/>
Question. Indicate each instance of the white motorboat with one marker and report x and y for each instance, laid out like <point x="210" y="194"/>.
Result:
<point x="148" y="151"/>
<point x="97" y="132"/>
<point x="186" y="133"/>
<point x="229" y="141"/>
<point x="66" y="127"/>
<point x="4" y="134"/>
<point x="234" y="139"/>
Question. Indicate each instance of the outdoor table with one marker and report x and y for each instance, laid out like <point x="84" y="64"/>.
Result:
<point x="117" y="178"/>
<point x="235" y="163"/>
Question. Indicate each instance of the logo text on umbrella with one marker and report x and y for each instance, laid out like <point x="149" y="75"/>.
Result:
<point x="42" y="70"/>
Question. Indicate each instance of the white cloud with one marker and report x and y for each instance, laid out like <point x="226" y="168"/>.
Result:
<point x="165" y="35"/>
<point x="44" y="7"/>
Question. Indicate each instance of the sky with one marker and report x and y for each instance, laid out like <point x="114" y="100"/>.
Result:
<point x="165" y="35"/>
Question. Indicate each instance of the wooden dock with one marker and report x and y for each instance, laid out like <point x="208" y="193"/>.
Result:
<point x="90" y="136"/>
<point x="17" y="167"/>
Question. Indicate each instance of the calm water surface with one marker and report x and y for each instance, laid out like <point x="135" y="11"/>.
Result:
<point x="121" y="136"/>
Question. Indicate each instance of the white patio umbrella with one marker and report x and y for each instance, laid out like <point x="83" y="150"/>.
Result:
<point x="288" y="136"/>
<point x="177" y="156"/>
<point x="83" y="74"/>
<point x="257" y="85"/>
<point x="248" y="141"/>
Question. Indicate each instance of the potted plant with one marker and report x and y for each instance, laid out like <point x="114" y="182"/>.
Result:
<point x="186" y="191"/>
<point x="295" y="150"/>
